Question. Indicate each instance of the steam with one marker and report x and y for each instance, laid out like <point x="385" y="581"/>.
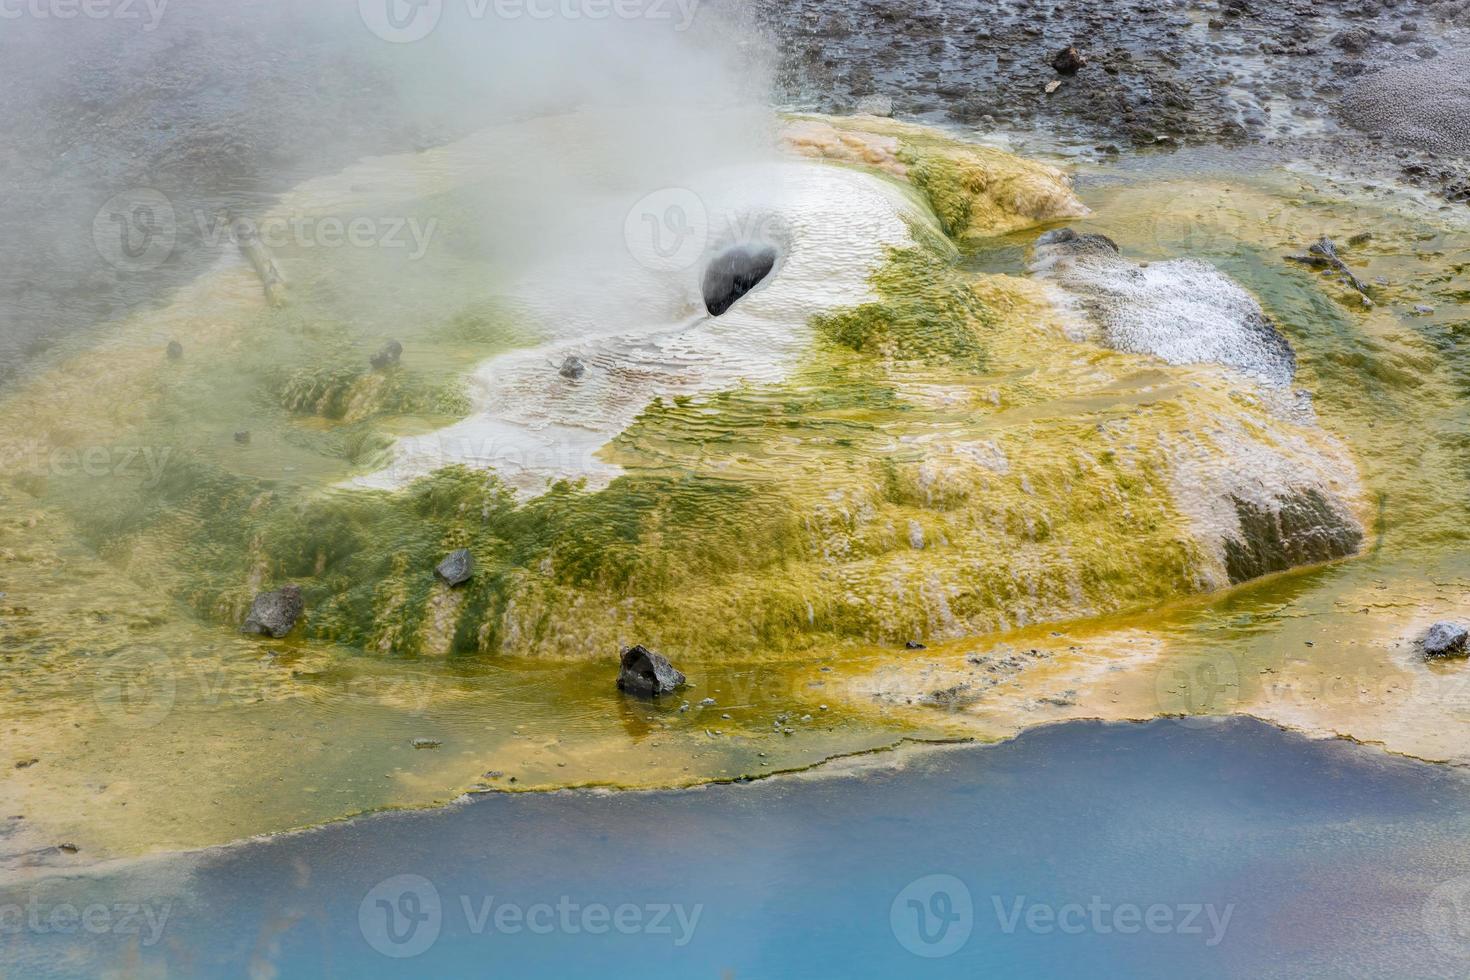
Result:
<point x="222" y="105"/>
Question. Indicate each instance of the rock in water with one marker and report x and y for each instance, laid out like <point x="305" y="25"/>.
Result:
<point x="387" y="355"/>
<point x="647" y="674"/>
<point x="735" y="272"/>
<point x="1445" y="640"/>
<point x="174" y="350"/>
<point x="572" y="368"/>
<point x="274" y="613"/>
<point x="457" y="568"/>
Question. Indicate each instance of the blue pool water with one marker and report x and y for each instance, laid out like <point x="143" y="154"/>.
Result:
<point x="1158" y="850"/>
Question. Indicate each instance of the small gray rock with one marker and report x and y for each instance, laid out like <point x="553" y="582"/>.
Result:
<point x="243" y="438"/>
<point x="1445" y="640"/>
<point x="457" y="568"/>
<point x="274" y="613"/>
<point x="647" y="674"/>
<point x="175" y="350"/>
<point x="1100" y="245"/>
<point x="572" y="368"/>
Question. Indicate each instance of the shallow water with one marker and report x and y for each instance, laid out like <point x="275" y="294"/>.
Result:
<point x="1159" y="850"/>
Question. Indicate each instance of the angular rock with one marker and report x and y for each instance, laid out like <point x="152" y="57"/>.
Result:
<point x="647" y="674"/>
<point x="274" y="613"/>
<point x="457" y="568"/>
<point x="1303" y="528"/>
<point x="1069" y="61"/>
<point x="572" y="368"/>
<point x="1445" y="640"/>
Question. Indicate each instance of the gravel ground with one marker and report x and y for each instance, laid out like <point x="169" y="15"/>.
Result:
<point x="1426" y="105"/>
<point x="1157" y="74"/>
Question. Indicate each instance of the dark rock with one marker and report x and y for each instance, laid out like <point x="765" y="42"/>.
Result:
<point x="647" y="674"/>
<point x="1353" y="41"/>
<point x="1069" y="61"/>
<point x="914" y="645"/>
<point x="572" y="368"/>
<point x="243" y="438"/>
<point x="274" y="613"/>
<point x="1302" y="529"/>
<point x="387" y="356"/>
<point x="427" y="743"/>
<point x="1445" y="640"/>
<point x="175" y="350"/>
<point x="735" y="272"/>
<point x="457" y="568"/>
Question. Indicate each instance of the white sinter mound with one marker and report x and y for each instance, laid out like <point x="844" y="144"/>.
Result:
<point x="642" y="333"/>
<point x="1183" y="311"/>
